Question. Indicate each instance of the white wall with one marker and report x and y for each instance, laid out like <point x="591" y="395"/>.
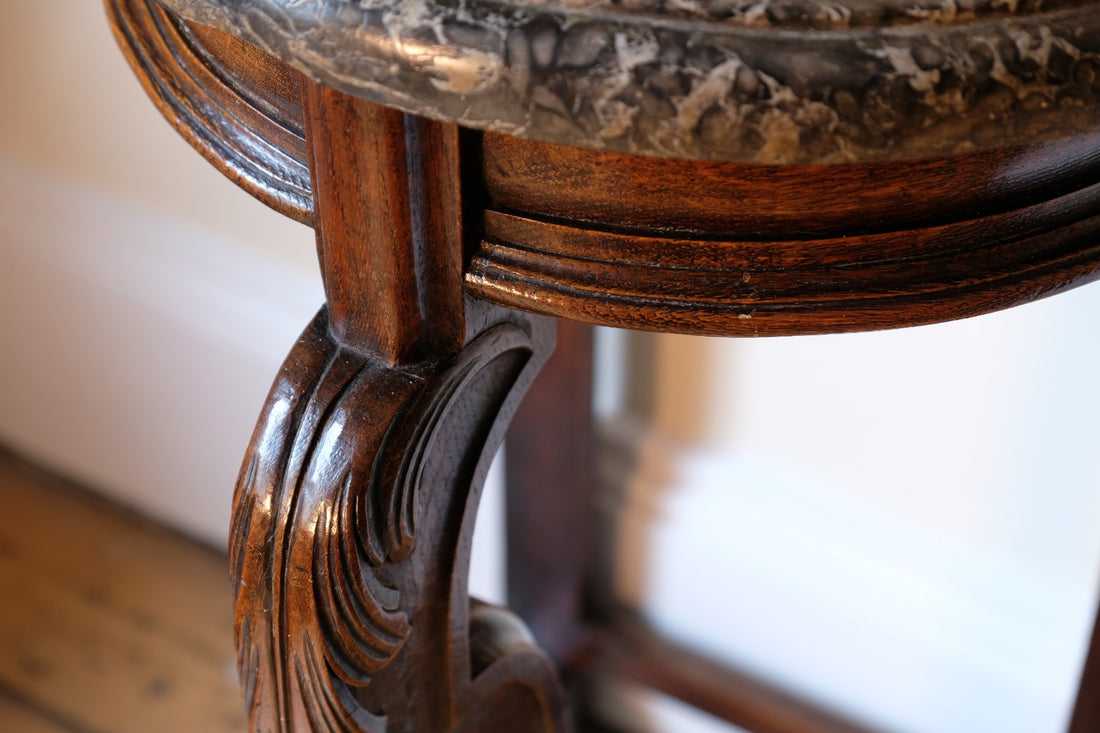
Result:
<point x="903" y="524"/>
<point x="145" y="302"/>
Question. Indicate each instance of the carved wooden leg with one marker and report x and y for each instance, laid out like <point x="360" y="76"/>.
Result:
<point x="351" y="541"/>
<point x="355" y="509"/>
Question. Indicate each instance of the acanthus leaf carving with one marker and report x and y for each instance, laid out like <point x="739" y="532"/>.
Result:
<point x="350" y="536"/>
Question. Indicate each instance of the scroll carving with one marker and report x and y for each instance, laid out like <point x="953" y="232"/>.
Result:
<point x="350" y="542"/>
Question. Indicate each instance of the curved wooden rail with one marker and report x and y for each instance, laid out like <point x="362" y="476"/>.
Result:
<point x="753" y="250"/>
<point x="238" y="107"/>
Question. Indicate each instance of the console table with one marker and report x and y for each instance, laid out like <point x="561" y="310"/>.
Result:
<point x="472" y="167"/>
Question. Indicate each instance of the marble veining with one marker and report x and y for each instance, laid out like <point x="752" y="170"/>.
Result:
<point x="769" y="81"/>
<point x="815" y="14"/>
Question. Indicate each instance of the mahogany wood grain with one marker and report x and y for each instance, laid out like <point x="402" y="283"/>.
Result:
<point x="766" y="290"/>
<point x="351" y="538"/>
<point x="752" y="201"/>
<point x="235" y="104"/>
<point x="734" y="249"/>
<point x="354" y="513"/>
<point x="389" y="226"/>
<point x="261" y="80"/>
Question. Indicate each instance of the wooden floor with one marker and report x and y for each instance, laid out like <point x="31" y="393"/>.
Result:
<point x="108" y="624"/>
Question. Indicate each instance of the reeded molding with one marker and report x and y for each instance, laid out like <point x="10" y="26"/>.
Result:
<point x="745" y="250"/>
<point x="250" y="129"/>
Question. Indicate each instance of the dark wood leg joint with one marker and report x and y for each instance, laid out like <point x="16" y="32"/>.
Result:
<point x="351" y="542"/>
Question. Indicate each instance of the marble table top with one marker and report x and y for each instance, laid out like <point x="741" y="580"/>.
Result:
<point x="767" y="81"/>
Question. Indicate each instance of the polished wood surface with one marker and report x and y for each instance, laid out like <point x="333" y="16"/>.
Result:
<point x="736" y="249"/>
<point x="238" y="107"/>
<point x="351" y="539"/>
<point x="691" y="197"/>
<point x="355" y="508"/>
<point x="389" y="226"/>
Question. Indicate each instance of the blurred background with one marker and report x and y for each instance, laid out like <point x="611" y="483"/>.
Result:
<point x="902" y="526"/>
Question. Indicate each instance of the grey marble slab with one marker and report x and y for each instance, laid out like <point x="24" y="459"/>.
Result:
<point x="769" y="81"/>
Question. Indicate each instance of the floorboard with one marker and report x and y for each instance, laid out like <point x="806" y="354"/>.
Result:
<point x="108" y="623"/>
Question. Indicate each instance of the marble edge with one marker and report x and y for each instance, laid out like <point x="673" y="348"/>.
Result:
<point x="675" y="88"/>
